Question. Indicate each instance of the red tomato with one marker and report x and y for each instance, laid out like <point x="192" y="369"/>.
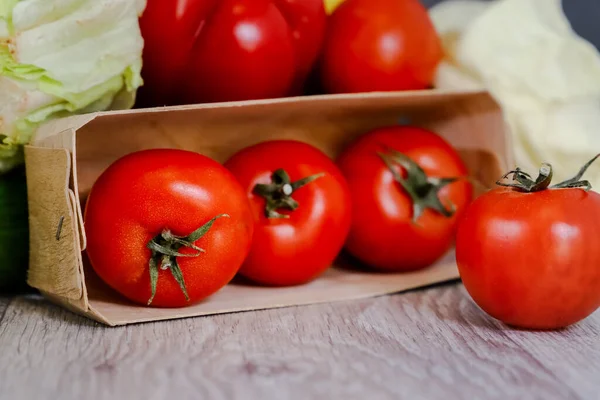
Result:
<point x="301" y="209"/>
<point x="403" y="221"/>
<point x="207" y="50"/>
<point x="532" y="259"/>
<point x="145" y="198"/>
<point x="379" y="45"/>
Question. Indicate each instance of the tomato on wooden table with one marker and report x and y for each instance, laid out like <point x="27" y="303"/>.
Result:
<point x="379" y="45"/>
<point x="529" y="254"/>
<point x="409" y="189"/>
<point x="200" y="51"/>
<point x="301" y="209"/>
<point x="167" y="227"/>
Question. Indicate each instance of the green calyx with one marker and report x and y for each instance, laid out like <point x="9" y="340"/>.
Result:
<point x="278" y="193"/>
<point x="165" y="250"/>
<point x="423" y="190"/>
<point x="523" y="182"/>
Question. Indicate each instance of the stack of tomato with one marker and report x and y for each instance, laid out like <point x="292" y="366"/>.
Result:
<point x="199" y="51"/>
<point x="169" y="228"/>
<point x="278" y="213"/>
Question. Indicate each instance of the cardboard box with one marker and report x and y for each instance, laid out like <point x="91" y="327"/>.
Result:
<point x="67" y="155"/>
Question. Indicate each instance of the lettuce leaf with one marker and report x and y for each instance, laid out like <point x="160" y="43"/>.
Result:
<point x="544" y="75"/>
<point x="64" y="57"/>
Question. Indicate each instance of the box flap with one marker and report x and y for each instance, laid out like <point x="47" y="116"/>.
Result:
<point x="55" y="252"/>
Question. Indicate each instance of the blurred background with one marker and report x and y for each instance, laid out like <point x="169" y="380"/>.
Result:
<point x="583" y="14"/>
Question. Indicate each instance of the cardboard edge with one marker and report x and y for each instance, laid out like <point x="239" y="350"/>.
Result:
<point x="76" y="308"/>
<point x="509" y="152"/>
<point x="55" y="127"/>
<point x="67" y="139"/>
<point x="70" y="219"/>
<point x="75" y="188"/>
<point x="50" y="129"/>
<point x="320" y="98"/>
<point x="77" y="233"/>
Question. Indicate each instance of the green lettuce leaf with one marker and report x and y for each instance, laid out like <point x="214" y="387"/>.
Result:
<point x="64" y="57"/>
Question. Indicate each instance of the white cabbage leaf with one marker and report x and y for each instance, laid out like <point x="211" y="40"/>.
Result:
<point x="64" y="57"/>
<point x="543" y="74"/>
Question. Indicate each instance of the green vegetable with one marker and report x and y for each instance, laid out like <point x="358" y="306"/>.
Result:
<point x="14" y="231"/>
<point x="64" y="57"/>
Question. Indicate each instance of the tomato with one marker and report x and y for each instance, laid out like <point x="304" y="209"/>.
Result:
<point x="408" y="192"/>
<point x="301" y="207"/>
<point x="142" y="221"/>
<point x="379" y="45"/>
<point x="200" y="51"/>
<point x="529" y="256"/>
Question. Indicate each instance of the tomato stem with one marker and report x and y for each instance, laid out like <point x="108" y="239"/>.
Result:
<point x="423" y="190"/>
<point x="278" y="193"/>
<point x="523" y="182"/>
<point x="165" y="250"/>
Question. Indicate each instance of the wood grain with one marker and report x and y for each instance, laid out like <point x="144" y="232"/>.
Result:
<point x="432" y="344"/>
<point x="4" y="301"/>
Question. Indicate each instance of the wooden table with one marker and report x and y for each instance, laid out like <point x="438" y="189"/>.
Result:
<point x="428" y="344"/>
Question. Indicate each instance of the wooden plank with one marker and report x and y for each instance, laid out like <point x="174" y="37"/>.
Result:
<point x="432" y="344"/>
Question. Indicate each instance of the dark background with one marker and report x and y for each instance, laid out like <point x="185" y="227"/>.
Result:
<point x="583" y="14"/>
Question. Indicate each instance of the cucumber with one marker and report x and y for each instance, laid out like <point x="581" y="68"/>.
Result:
<point x="14" y="231"/>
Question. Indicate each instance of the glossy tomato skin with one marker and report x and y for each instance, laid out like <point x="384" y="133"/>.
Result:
<point x="298" y="249"/>
<point x="383" y="235"/>
<point x="532" y="260"/>
<point x="145" y="192"/>
<point x="200" y="51"/>
<point x="379" y="45"/>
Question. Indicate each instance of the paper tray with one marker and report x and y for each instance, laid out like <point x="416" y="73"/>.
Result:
<point x="67" y="155"/>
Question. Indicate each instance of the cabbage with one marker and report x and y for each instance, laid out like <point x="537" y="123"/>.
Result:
<point x="64" y="57"/>
<point x="543" y="74"/>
